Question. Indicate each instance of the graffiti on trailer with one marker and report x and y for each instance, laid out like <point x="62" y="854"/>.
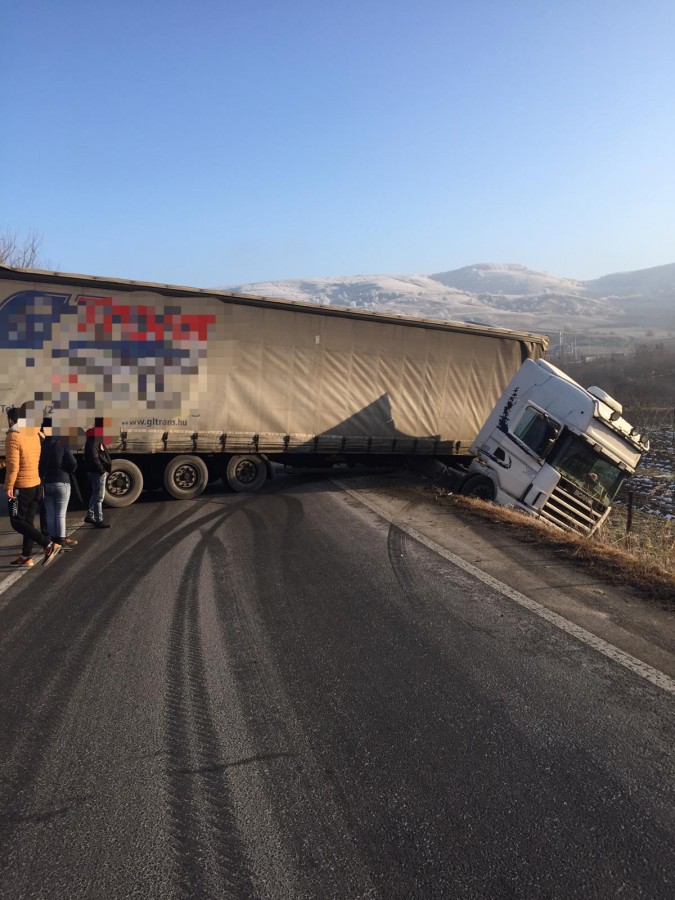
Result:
<point x="80" y="350"/>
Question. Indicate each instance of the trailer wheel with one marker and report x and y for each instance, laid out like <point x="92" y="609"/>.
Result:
<point x="185" y="477"/>
<point x="245" y="473"/>
<point x="124" y="484"/>
<point x="479" y="486"/>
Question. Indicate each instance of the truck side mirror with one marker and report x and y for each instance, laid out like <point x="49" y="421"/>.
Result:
<point x="552" y="432"/>
<point x="548" y="444"/>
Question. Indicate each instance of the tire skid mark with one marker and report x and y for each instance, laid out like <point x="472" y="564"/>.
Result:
<point x="411" y="577"/>
<point x="208" y="855"/>
<point x="45" y="707"/>
<point x="44" y="704"/>
<point x="33" y="605"/>
<point x="248" y="654"/>
<point x="406" y="576"/>
<point x="185" y="828"/>
<point x="74" y="624"/>
<point x="33" y="602"/>
<point x="314" y="804"/>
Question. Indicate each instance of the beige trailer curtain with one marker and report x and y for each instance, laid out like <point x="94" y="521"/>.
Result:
<point x="304" y="373"/>
<point x="152" y="357"/>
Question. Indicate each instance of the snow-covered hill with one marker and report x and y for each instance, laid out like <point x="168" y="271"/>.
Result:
<point x="657" y="285"/>
<point x="493" y="278"/>
<point x="497" y="294"/>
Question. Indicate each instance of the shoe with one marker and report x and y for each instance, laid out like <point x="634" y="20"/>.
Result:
<point x="102" y="525"/>
<point x="69" y="542"/>
<point x="88" y="520"/>
<point x="22" y="562"/>
<point x="51" y="552"/>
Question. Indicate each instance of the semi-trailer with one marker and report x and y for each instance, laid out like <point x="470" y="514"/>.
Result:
<point x="190" y="385"/>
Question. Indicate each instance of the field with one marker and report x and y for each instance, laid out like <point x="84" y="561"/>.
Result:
<point x="642" y="521"/>
<point x="653" y="484"/>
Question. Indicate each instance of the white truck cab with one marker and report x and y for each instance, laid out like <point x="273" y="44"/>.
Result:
<point x="554" y="449"/>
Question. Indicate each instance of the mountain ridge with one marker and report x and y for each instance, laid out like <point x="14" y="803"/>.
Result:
<point x="504" y="294"/>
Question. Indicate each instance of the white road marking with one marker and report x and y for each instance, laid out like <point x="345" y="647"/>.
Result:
<point x="7" y="582"/>
<point x="11" y="579"/>
<point x="660" y="679"/>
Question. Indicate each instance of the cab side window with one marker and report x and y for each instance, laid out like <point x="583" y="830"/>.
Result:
<point x="536" y="431"/>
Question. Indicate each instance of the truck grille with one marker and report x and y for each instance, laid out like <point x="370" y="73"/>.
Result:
<point x="571" y="508"/>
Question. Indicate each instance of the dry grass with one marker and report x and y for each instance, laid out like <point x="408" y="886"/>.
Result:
<point x="643" y="560"/>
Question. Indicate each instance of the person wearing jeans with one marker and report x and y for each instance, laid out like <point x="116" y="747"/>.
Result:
<point x="57" y="463"/>
<point x="97" y="484"/>
<point x="57" y="495"/>
<point x="98" y="463"/>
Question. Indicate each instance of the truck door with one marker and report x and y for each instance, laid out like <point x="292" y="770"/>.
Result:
<point x="520" y="450"/>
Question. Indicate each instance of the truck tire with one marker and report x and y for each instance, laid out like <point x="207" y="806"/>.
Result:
<point x="245" y="473"/>
<point x="185" y="477"/>
<point x="124" y="484"/>
<point x="479" y="486"/>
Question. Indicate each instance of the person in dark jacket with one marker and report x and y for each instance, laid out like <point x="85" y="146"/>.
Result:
<point x="57" y="464"/>
<point x="98" y="464"/>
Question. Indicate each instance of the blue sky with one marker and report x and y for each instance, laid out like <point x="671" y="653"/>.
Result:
<point x="216" y="143"/>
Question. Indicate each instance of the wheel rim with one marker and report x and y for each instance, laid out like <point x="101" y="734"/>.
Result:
<point x="118" y="484"/>
<point x="185" y="477"/>
<point x="246" y="472"/>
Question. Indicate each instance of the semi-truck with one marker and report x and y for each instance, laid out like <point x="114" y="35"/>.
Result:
<point x="190" y="385"/>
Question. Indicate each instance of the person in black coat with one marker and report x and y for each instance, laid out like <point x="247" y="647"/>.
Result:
<point x="98" y="465"/>
<point x="57" y="464"/>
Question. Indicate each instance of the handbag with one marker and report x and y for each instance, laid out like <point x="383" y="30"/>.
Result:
<point x="75" y="489"/>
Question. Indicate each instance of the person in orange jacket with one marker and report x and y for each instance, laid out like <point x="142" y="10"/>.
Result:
<point x="22" y="484"/>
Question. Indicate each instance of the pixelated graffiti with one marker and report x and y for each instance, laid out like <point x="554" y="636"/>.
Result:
<point x="81" y="350"/>
<point x="503" y="423"/>
<point x="499" y="457"/>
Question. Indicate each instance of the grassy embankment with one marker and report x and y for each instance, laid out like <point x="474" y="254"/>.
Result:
<point x="643" y="559"/>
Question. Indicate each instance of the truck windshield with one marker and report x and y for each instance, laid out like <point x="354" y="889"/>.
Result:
<point x="582" y="464"/>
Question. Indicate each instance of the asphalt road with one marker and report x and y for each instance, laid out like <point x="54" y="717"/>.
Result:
<point x="286" y="696"/>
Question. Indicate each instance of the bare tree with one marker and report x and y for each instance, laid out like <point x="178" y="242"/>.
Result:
<point x="24" y="252"/>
